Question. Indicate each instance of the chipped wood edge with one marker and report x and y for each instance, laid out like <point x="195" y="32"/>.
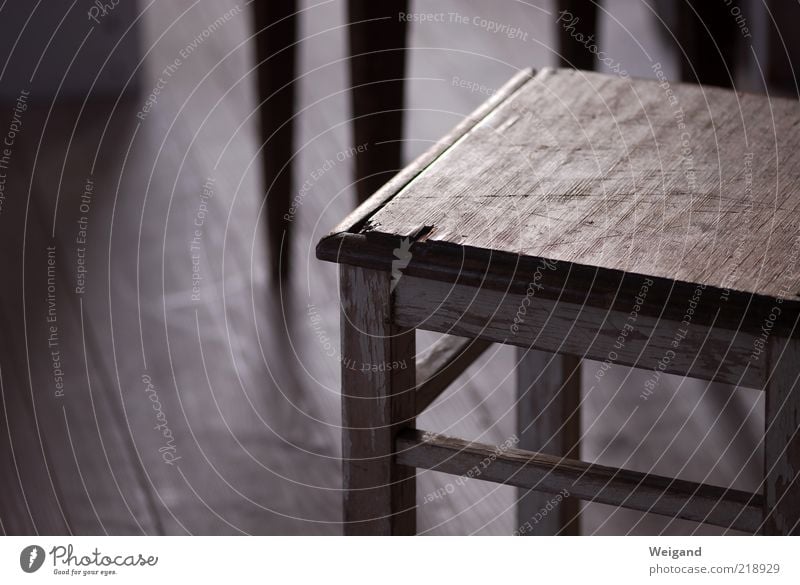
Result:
<point x="329" y="247"/>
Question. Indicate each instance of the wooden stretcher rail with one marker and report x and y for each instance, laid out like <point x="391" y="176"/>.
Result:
<point x="445" y="361"/>
<point x="595" y="483"/>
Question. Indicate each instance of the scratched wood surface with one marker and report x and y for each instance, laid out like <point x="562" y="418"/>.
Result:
<point x="442" y="364"/>
<point x="689" y="184"/>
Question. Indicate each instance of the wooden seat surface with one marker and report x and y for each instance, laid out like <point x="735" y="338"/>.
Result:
<point x="630" y="222"/>
<point x="609" y="178"/>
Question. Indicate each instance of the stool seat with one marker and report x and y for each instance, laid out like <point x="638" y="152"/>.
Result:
<point x="686" y="184"/>
<point x="636" y="222"/>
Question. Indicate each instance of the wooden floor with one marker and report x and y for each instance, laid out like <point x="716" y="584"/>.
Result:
<point x="216" y="410"/>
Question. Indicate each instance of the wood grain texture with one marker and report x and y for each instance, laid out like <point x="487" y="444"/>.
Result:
<point x="549" y="421"/>
<point x="595" y="483"/>
<point x="707" y="42"/>
<point x="783" y="52"/>
<point x="330" y="246"/>
<point x="378" y="400"/>
<point x="579" y="330"/>
<point x="444" y="361"/>
<point x="609" y="176"/>
<point x="782" y="443"/>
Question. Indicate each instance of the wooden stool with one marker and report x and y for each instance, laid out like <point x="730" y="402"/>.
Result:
<point x="632" y="222"/>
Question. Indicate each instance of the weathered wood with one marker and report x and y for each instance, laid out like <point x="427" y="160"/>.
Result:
<point x="76" y="464"/>
<point x="573" y="329"/>
<point x="275" y="35"/>
<point x="378" y="400"/>
<point x="329" y="247"/>
<point x="442" y="363"/>
<point x="609" y="177"/>
<point x="377" y="71"/>
<point x="782" y="441"/>
<point x="548" y="421"/>
<point x="25" y="462"/>
<point x="591" y="169"/>
<point x="783" y="50"/>
<point x="595" y="483"/>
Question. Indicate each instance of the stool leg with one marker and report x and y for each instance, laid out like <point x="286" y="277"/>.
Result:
<point x="275" y="35"/>
<point x="549" y="393"/>
<point x="782" y="439"/>
<point x="378" y="385"/>
<point x="576" y="17"/>
<point x="783" y="48"/>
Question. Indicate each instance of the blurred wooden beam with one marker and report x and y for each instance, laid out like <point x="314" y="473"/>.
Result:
<point x="275" y="35"/>
<point x="377" y="70"/>
<point x="576" y="17"/>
